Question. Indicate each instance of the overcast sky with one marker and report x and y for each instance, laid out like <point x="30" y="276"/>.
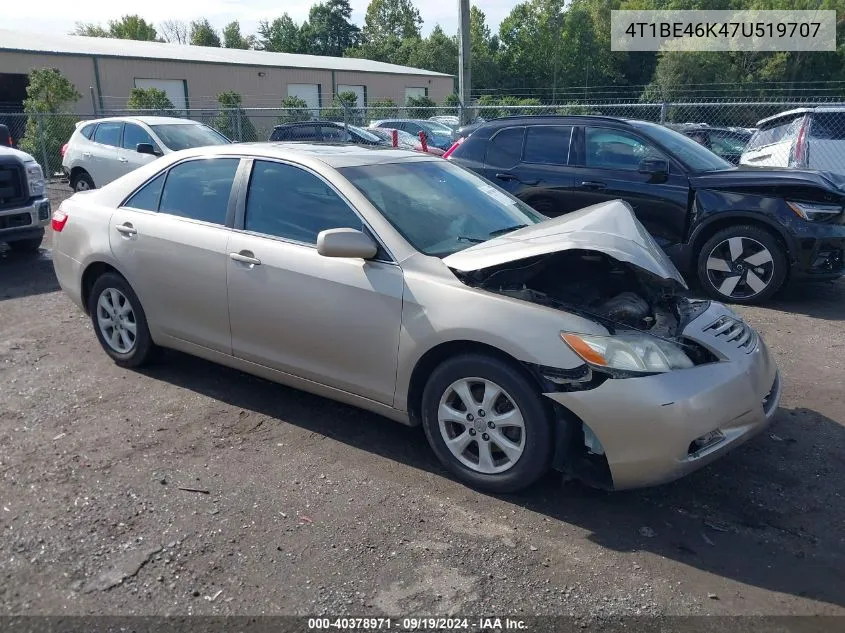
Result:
<point x="60" y="16"/>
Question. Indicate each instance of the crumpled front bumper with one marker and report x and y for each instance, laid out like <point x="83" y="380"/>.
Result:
<point x="647" y="425"/>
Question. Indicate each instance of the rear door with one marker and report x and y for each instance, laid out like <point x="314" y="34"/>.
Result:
<point x="826" y="144"/>
<point x="100" y="158"/>
<point x="170" y="238"/>
<point x="771" y="144"/>
<point x="127" y="154"/>
<point x="609" y="168"/>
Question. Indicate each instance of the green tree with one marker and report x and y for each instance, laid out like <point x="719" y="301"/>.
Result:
<point x="437" y="52"/>
<point x="149" y="99"/>
<point x="344" y="108"/>
<point x="295" y="109"/>
<point x="203" y="34"/>
<point x="231" y="120"/>
<point x="420" y="107"/>
<point x="382" y="109"/>
<point x="282" y="35"/>
<point x="232" y="37"/>
<point x="129" y="27"/>
<point x="451" y="105"/>
<point x="391" y="18"/>
<point x="329" y="30"/>
<point x="47" y="94"/>
<point x="484" y="47"/>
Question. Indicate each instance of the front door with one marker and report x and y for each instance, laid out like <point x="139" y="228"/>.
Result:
<point x="170" y="239"/>
<point x="127" y="155"/>
<point x="609" y="169"/>
<point x="331" y="320"/>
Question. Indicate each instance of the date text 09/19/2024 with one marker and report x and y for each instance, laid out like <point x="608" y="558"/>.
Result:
<point x="416" y="624"/>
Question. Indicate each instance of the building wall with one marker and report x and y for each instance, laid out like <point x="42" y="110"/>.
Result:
<point x="260" y="86"/>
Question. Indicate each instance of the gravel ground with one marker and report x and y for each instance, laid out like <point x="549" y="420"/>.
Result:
<point x="306" y="506"/>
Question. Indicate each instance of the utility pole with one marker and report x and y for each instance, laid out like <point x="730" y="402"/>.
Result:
<point x="464" y="47"/>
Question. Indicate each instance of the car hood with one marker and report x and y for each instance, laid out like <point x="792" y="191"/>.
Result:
<point x="610" y="228"/>
<point x="15" y="153"/>
<point x="747" y="176"/>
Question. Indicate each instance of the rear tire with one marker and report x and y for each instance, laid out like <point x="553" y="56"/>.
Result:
<point x="82" y="181"/>
<point x="742" y="264"/>
<point x="119" y="321"/>
<point x="498" y="443"/>
<point x="26" y="246"/>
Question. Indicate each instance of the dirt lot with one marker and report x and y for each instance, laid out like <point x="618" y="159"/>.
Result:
<point x="313" y="507"/>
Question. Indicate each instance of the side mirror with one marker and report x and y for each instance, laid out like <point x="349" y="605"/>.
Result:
<point x="346" y="243"/>
<point x="147" y="148"/>
<point x="654" y="166"/>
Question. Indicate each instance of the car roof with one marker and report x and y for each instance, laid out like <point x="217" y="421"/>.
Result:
<point x="331" y="154"/>
<point x="147" y="120"/>
<point x="300" y="123"/>
<point x="527" y="119"/>
<point x="796" y="111"/>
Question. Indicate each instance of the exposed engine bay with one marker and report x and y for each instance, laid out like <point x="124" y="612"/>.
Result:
<point x="594" y="285"/>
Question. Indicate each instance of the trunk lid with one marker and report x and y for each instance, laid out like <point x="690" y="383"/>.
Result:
<point x="610" y="228"/>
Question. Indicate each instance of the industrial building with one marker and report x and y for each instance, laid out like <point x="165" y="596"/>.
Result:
<point x="105" y="70"/>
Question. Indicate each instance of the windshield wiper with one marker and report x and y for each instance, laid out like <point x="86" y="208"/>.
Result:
<point x="507" y="229"/>
<point x="474" y="240"/>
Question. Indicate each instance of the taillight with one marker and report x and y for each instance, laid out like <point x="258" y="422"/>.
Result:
<point x="63" y="150"/>
<point x="59" y="220"/>
<point x="798" y="151"/>
<point x="455" y="146"/>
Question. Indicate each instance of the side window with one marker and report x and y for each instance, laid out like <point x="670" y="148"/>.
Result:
<point x="828" y="126"/>
<point x="505" y="149"/>
<point x="147" y="197"/>
<point x="724" y="143"/>
<point x="280" y="134"/>
<point x="615" y="149"/>
<point x="135" y="134"/>
<point x="304" y="133"/>
<point x="291" y="203"/>
<point x="332" y="133"/>
<point x="108" y="134"/>
<point x="547" y="145"/>
<point x="88" y="130"/>
<point x="199" y="189"/>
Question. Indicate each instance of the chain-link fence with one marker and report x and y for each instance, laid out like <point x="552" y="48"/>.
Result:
<point x="807" y="133"/>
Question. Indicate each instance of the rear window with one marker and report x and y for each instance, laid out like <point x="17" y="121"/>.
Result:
<point x="505" y="148"/>
<point x="828" y="126"/>
<point x="108" y="134"/>
<point x="782" y="129"/>
<point x="547" y="145"/>
<point x="88" y="130"/>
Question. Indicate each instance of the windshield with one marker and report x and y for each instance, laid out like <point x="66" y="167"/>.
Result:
<point x="438" y="128"/>
<point x="178" y="136"/>
<point x="365" y="134"/>
<point x="438" y="207"/>
<point x="404" y="138"/>
<point x="695" y="156"/>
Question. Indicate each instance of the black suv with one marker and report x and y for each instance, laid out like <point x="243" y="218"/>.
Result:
<point x="324" y="132"/>
<point x="743" y="231"/>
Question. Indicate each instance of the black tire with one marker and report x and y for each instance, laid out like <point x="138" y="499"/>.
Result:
<point x="26" y="246"/>
<point x="82" y="181"/>
<point x="773" y="273"/>
<point x="143" y="350"/>
<point x="537" y="453"/>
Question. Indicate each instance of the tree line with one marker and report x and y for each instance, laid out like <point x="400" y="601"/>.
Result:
<point x="543" y="50"/>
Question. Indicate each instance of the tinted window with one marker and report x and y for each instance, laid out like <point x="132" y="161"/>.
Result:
<point x="108" y="134"/>
<point x="135" y="134"/>
<point x="332" y="133"/>
<point x="783" y="128"/>
<point x="828" y="126"/>
<point x="147" y="196"/>
<point x="88" y="130"/>
<point x="289" y="202"/>
<point x="302" y="133"/>
<point x="547" y="144"/>
<point x="684" y="149"/>
<point x="505" y="148"/>
<point x="199" y="189"/>
<point x="613" y="149"/>
<point x="725" y="143"/>
<point x="178" y="136"/>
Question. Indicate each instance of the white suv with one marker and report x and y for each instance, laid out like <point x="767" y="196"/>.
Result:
<point x="805" y="138"/>
<point x="103" y="150"/>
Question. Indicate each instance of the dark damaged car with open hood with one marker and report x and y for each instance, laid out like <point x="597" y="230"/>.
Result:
<point x="743" y="232"/>
<point x="408" y="286"/>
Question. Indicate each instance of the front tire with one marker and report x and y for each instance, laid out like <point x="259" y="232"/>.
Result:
<point x="486" y="423"/>
<point x="119" y="321"/>
<point x="742" y="264"/>
<point x="26" y="246"/>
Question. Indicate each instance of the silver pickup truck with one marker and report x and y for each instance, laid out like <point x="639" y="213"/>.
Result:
<point x="24" y="208"/>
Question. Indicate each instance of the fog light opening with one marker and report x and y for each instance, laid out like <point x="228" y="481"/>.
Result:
<point x="705" y="441"/>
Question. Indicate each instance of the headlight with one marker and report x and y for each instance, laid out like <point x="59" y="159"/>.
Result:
<point x="35" y="179"/>
<point x="814" y="211"/>
<point x="637" y="353"/>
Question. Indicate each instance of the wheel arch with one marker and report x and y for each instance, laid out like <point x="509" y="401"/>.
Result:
<point x="93" y="271"/>
<point x="721" y="221"/>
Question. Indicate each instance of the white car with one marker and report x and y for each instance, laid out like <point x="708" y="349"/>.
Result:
<point x="103" y="150"/>
<point x="805" y="138"/>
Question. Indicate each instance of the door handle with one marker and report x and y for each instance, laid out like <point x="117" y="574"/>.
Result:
<point x="123" y="160"/>
<point x="517" y="178"/>
<point x="126" y="229"/>
<point x="245" y="257"/>
<point x="86" y="154"/>
<point x="593" y="184"/>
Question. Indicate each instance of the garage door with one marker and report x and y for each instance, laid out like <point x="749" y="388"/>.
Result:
<point x="359" y="91"/>
<point x="175" y="89"/>
<point x="309" y="93"/>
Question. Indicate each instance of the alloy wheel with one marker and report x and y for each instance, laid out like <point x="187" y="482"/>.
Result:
<point x="116" y="320"/>
<point x="740" y="267"/>
<point x="481" y="425"/>
<point x="81" y="185"/>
